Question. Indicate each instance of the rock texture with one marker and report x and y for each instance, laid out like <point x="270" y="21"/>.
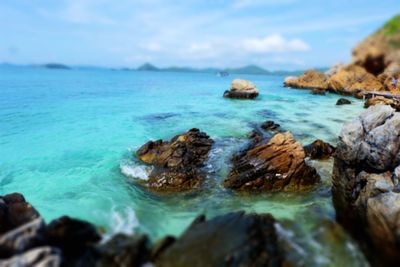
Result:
<point x="270" y="125"/>
<point x="242" y="89"/>
<point x="234" y="239"/>
<point x="278" y="165"/>
<point x="311" y="79"/>
<point x="366" y="182"/>
<point x="176" y="162"/>
<point x="319" y="150"/>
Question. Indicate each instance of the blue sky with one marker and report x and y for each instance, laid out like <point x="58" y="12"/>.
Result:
<point x="275" y="34"/>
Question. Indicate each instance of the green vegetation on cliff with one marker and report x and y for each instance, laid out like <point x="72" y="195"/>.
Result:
<point x="392" y="27"/>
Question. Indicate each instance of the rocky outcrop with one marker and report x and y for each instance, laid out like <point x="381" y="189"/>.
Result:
<point x="352" y="79"/>
<point x="234" y="239"/>
<point x="242" y="89"/>
<point x="278" y="165"/>
<point x="319" y="150"/>
<point x="176" y="162"/>
<point x="311" y="79"/>
<point x="365" y="187"/>
<point x="342" y="101"/>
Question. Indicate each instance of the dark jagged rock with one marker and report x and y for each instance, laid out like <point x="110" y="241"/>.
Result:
<point x="242" y="89"/>
<point x="176" y="162"/>
<point x="234" y="239"/>
<point x="123" y="250"/>
<point x="343" y="101"/>
<point x="319" y="150"/>
<point x="278" y="165"/>
<point x="15" y="211"/>
<point x="270" y="125"/>
<point x="366" y="183"/>
<point x="65" y="231"/>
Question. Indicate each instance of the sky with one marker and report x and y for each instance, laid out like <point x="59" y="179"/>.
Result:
<point x="274" y="34"/>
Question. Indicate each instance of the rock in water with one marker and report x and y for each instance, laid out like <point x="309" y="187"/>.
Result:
<point x="319" y="150"/>
<point x="176" y="162"/>
<point x="366" y="182"/>
<point x="234" y="239"/>
<point x="242" y="89"/>
<point x="343" y="101"/>
<point x="278" y="165"/>
<point x="15" y="211"/>
<point x="270" y="125"/>
<point x="311" y="79"/>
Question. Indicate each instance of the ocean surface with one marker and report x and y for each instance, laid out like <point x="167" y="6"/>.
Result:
<point x="68" y="137"/>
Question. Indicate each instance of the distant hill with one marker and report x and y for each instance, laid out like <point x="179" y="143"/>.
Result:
<point x="56" y="66"/>
<point x="250" y="69"/>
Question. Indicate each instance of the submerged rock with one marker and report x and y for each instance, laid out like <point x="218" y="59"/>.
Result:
<point x="365" y="182"/>
<point x="278" y="165"/>
<point x="343" y="101"/>
<point x="319" y="150"/>
<point x="234" y="239"/>
<point x="15" y="211"/>
<point x="317" y="91"/>
<point x="270" y="125"/>
<point x="176" y="162"/>
<point x="242" y="89"/>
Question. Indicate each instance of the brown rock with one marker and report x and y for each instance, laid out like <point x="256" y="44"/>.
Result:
<point x="278" y="165"/>
<point x="311" y="79"/>
<point x="352" y="79"/>
<point x="176" y="162"/>
<point x="380" y="100"/>
<point x="319" y="150"/>
<point x="242" y="89"/>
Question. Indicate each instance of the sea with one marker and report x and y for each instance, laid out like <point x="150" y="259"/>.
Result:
<point x="68" y="140"/>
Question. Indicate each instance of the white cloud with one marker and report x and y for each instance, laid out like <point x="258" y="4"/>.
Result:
<point x="275" y="43"/>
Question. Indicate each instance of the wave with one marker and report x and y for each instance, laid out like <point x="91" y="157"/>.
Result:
<point x="124" y="222"/>
<point x="137" y="172"/>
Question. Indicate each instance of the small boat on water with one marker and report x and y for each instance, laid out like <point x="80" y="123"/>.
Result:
<point x="222" y="74"/>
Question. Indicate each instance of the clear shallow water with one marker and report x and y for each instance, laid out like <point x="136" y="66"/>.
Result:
<point x="67" y="136"/>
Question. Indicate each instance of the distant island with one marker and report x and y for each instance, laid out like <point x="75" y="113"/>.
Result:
<point x="56" y="66"/>
<point x="250" y="69"/>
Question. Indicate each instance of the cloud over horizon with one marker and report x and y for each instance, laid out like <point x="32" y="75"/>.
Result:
<point x="221" y="33"/>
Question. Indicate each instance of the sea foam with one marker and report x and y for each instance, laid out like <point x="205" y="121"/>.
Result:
<point x="137" y="172"/>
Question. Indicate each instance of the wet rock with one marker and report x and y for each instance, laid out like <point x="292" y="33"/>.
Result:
<point x="234" y="239"/>
<point x="15" y="211"/>
<point x="176" y="162"/>
<point x="365" y="179"/>
<point x="65" y="232"/>
<point x="270" y="125"/>
<point x="343" y="101"/>
<point x="22" y="238"/>
<point x="311" y="79"/>
<point x="38" y="257"/>
<point x="317" y="91"/>
<point x="242" y="89"/>
<point x="319" y="150"/>
<point x="278" y="165"/>
<point x="123" y="250"/>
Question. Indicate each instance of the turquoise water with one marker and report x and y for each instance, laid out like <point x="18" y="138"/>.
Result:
<point x="67" y="139"/>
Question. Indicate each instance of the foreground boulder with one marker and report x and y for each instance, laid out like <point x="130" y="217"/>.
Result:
<point x="242" y="89"/>
<point x="311" y="79"/>
<point x="234" y="239"/>
<point x="176" y="162"/>
<point x="278" y="165"/>
<point x="365" y="182"/>
<point x="15" y="211"/>
<point x="319" y="150"/>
